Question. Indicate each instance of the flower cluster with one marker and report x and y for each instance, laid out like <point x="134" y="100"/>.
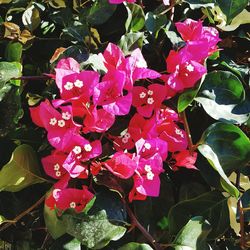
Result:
<point x="86" y="118"/>
<point x="186" y="66"/>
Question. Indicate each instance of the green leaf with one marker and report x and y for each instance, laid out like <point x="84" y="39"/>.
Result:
<point x="193" y="235"/>
<point x="195" y="4"/>
<point x="54" y="225"/>
<point x="154" y="23"/>
<point x="94" y="231"/>
<point x="100" y="12"/>
<point x="66" y="243"/>
<point x="135" y="246"/>
<point x="226" y="148"/>
<point x="220" y="93"/>
<point x="186" y="98"/>
<point x="9" y="70"/>
<point x="232" y="8"/>
<point x="31" y="18"/>
<point x="136" y="18"/>
<point x="212" y="206"/>
<point x="131" y="41"/>
<point x="13" y="51"/>
<point x="77" y="31"/>
<point x="21" y="171"/>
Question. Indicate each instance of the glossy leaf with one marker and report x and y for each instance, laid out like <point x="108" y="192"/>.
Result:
<point x="131" y="41"/>
<point x="9" y="70"/>
<point x="154" y="23"/>
<point x="31" y="18"/>
<point x="226" y="148"/>
<point x="100" y="12"/>
<point x="193" y="235"/>
<point x="136" y="18"/>
<point x="21" y="171"/>
<point x="93" y="231"/>
<point x="232" y="8"/>
<point x="220" y="93"/>
<point x="54" y="225"/>
<point x="13" y="52"/>
<point x="212" y="206"/>
<point x="135" y="246"/>
<point x="195" y="4"/>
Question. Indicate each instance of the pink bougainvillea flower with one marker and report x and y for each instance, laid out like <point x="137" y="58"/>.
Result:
<point x="149" y="147"/>
<point x="65" y="67"/>
<point x="60" y="126"/>
<point x="77" y="85"/>
<point x="69" y="198"/>
<point x="98" y="120"/>
<point x="184" y="72"/>
<point x="133" y="66"/>
<point x="173" y="135"/>
<point x="146" y="179"/>
<point x="121" y="165"/>
<point x="139" y="127"/>
<point x="52" y="164"/>
<point x="184" y="159"/>
<point x="121" y="1"/>
<point x="81" y="150"/>
<point x="109" y="94"/>
<point x="201" y="41"/>
<point x="123" y="141"/>
<point x="166" y="114"/>
<point x="147" y="99"/>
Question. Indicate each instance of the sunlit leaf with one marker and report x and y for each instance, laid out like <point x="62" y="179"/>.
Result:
<point x="136" y="18"/>
<point x="193" y="235"/>
<point x="21" y="171"/>
<point x="135" y="246"/>
<point x="220" y="93"/>
<point x="31" y="18"/>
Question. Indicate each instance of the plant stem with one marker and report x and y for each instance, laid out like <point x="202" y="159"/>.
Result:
<point x="137" y="224"/>
<point x="241" y="213"/>
<point x="20" y="216"/>
<point x="191" y="146"/>
<point x="42" y="77"/>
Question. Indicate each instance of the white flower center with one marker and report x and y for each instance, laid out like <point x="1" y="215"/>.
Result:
<point x="147" y="145"/>
<point x="150" y="100"/>
<point x="179" y="132"/>
<point x="190" y="68"/>
<point x="53" y="121"/>
<point x="87" y="147"/>
<point x="147" y="168"/>
<point x="66" y="115"/>
<point x="150" y="92"/>
<point x="72" y="204"/>
<point x="78" y="83"/>
<point x="58" y="173"/>
<point x="61" y="123"/>
<point x="77" y="150"/>
<point x="150" y="176"/>
<point x="142" y="95"/>
<point x="68" y="86"/>
<point x="56" y="167"/>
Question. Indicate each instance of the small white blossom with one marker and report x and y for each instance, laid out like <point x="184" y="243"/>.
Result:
<point x="77" y="150"/>
<point x="150" y="100"/>
<point x="68" y="86"/>
<point x="53" y="121"/>
<point x="87" y="147"/>
<point x="142" y="95"/>
<point x="61" y="123"/>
